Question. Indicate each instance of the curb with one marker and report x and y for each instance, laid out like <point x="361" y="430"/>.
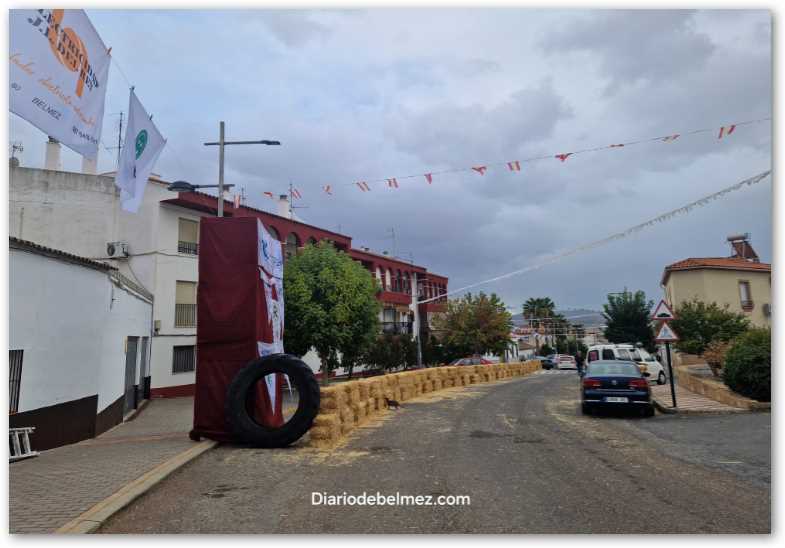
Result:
<point x="671" y="411"/>
<point x="91" y="520"/>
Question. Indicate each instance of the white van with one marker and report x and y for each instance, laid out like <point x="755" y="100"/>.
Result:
<point x="646" y="362"/>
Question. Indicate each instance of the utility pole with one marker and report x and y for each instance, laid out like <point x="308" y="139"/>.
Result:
<point x="221" y="143"/>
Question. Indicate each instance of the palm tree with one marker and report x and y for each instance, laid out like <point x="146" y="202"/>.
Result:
<point x="536" y="308"/>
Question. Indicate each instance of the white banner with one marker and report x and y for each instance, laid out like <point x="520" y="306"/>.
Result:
<point x="142" y="147"/>
<point x="59" y="68"/>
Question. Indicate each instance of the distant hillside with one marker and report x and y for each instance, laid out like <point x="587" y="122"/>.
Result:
<point x="589" y="318"/>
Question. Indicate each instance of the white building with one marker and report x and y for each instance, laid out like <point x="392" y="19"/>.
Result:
<point x="79" y="335"/>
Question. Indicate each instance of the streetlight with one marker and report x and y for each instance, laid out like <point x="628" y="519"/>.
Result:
<point x="185" y="186"/>
<point x="221" y="143"/>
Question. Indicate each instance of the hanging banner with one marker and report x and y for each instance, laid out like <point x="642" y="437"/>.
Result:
<point x="142" y="147"/>
<point x="58" y="70"/>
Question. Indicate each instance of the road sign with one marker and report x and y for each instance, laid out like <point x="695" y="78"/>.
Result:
<point x="666" y="334"/>
<point x="663" y="312"/>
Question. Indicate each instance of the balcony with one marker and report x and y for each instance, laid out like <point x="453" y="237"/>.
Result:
<point x="394" y="297"/>
<point x="397" y="328"/>
<point x="189" y="248"/>
<point x="184" y="315"/>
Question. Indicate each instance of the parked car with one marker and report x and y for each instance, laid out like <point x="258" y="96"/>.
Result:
<point x="550" y="361"/>
<point x="615" y="384"/>
<point x="471" y="360"/>
<point x="646" y="362"/>
<point x="565" y="361"/>
<point x="544" y="362"/>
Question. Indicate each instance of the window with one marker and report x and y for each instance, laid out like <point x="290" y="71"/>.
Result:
<point x="292" y="243"/>
<point x="636" y="355"/>
<point x="188" y="237"/>
<point x="185" y="305"/>
<point x="623" y="369"/>
<point x="607" y="354"/>
<point x="14" y="378"/>
<point x="273" y="232"/>
<point x="183" y="359"/>
<point x="745" y="294"/>
<point x="623" y="354"/>
<point x="594" y="355"/>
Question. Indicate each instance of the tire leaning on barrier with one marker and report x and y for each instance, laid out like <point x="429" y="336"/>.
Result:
<point x="249" y="431"/>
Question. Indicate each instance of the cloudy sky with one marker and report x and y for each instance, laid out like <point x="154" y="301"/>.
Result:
<point x="369" y="94"/>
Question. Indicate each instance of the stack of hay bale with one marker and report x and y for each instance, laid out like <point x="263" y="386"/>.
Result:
<point x="345" y="406"/>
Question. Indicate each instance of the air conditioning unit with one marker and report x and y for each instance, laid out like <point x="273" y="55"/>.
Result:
<point x="767" y="310"/>
<point x="117" y="250"/>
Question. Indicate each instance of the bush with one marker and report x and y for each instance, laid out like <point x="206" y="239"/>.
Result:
<point x="698" y="324"/>
<point x="748" y="365"/>
<point x="715" y="354"/>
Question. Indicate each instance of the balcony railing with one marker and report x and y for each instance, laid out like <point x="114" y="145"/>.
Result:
<point x="185" y="315"/>
<point x="397" y="328"/>
<point x="191" y="248"/>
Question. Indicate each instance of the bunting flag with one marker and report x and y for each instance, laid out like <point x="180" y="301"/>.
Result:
<point x="296" y="194"/>
<point x="727" y="129"/>
<point x="393" y="182"/>
<point x="614" y="237"/>
<point x="237" y="201"/>
<point x="269" y="195"/>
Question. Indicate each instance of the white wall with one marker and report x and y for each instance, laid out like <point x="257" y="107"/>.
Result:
<point x="71" y="330"/>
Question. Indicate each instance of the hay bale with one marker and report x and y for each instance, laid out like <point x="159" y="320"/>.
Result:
<point x="437" y="384"/>
<point x="364" y="389"/>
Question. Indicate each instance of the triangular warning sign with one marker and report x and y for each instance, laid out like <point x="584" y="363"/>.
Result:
<point x="666" y="334"/>
<point x="663" y="312"/>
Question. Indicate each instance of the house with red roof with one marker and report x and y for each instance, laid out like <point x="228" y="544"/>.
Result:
<point x="740" y="281"/>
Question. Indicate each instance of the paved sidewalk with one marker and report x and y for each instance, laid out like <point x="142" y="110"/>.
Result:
<point x="687" y="401"/>
<point x="50" y="490"/>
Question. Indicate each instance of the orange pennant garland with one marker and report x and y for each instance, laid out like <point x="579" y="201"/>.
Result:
<point x="429" y="178"/>
<point x="514" y="166"/>
<point x="727" y="129"/>
<point x="480" y="169"/>
<point x="296" y="194"/>
<point x="563" y="157"/>
<point x="328" y="189"/>
<point x="392" y="183"/>
<point x="269" y="195"/>
<point x="363" y="186"/>
<point x="671" y="138"/>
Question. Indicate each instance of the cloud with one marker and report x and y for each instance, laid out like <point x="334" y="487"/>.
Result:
<point x="636" y="45"/>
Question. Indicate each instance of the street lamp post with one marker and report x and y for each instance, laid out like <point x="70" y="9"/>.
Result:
<point x="221" y="143"/>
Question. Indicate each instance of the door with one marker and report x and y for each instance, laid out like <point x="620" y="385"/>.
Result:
<point x="144" y="369"/>
<point x="130" y="374"/>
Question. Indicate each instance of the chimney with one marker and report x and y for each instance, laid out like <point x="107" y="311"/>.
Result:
<point x="283" y="206"/>
<point x="52" y="159"/>
<point x="741" y="248"/>
<point x="88" y="165"/>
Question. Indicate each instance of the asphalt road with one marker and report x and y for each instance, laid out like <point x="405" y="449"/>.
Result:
<point x="520" y="450"/>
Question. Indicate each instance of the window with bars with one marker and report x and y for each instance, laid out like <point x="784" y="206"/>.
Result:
<point x="745" y="295"/>
<point x="183" y="359"/>
<point x="185" y="304"/>
<point x="188" y="237"/>
<point x="14" y="378"/>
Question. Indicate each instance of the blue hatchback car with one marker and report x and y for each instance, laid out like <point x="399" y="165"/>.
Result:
<point x="615" y="384"/>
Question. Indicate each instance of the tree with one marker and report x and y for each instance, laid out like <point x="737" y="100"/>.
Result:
<point x="627" y="319"/>
<point x="748" y="364"/>
<point x="699" y="324"/>
<point x="538" y="307"/>
<point x="390" y="352"/>
<point x="331" y="306"/>
<point x="475" y="325"/>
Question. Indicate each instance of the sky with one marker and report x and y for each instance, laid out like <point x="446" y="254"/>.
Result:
<point x="367" y="94"/>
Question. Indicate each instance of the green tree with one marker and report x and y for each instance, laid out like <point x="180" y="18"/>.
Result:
<point x="331" y="306"/>
<point x="390" y="351"/>
<point x="747" y="367"/>
<point x="627" y="319"/>
<point x="700" y="324"/>
<point x="475" y="325"/>
<point x="538" y="307"/>
<point x="546" y="350"/>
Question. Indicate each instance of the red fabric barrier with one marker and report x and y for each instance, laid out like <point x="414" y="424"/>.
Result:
<point x="232" y="319"/>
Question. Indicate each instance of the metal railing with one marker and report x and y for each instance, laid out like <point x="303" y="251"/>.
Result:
<point x="191" y="248"/>
<point x="397" y="328"/>
<point x="19" y="443"/>
<point x="185" y="315"/>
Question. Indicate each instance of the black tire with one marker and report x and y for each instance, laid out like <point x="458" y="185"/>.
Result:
<point x="661" y="378"/>
<point x="245" y="428"/>
<point x="648" y="411"/>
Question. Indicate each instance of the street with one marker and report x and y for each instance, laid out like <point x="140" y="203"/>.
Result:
<point x="520" y="449"/>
